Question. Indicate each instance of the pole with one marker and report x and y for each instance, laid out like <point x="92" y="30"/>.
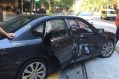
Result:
<point x="22" y="6"/>
<point x="31" y="7"/>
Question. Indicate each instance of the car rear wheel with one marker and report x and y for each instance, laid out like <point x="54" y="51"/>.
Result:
<point x="107" y="49"/>
<point x="33" y="69"/>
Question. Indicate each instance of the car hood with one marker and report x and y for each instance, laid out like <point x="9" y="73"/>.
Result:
<point x="109" y="35"/>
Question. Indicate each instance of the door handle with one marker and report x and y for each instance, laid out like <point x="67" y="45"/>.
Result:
<point x="57" y="45"/>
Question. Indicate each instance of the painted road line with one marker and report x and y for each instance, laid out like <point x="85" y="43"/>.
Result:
<point x="54" y="76"/>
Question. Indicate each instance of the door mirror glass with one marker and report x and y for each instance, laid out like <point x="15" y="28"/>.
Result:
<point x="100" y="30"/>
<point x="38" y="30"/>
<point x="75" y="28"/>
<point x="37" y="34"/>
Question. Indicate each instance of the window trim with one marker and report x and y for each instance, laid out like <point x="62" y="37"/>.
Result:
<point x="69" y="27"/>
<point x="65" y="27"/>
<point x="86" y="22"/>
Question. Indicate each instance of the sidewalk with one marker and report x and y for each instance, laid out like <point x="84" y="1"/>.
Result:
<point x="9" y="15"/>
<point x="117" y="47"/>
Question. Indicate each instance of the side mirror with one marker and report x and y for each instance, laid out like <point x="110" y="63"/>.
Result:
<point x="37" y="34"/>
<point x="75" y="28"/>
<point x="100" y="30"/>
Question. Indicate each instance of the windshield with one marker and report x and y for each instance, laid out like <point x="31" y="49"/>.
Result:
<point x="17" y="22"/>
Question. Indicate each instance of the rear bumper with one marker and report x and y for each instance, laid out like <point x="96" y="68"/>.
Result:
<point x="8" y="70"/>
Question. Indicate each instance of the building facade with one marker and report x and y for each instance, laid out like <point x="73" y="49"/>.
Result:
<point x="8" y="5"/>
<point x="12" y="5"/>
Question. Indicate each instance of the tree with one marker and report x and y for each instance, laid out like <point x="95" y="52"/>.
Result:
<point x="59" y="3"/>
<point x="97" y="5"/>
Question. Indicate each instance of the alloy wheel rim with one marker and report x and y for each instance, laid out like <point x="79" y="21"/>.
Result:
<point x="107" y="49"/>
<point x="35" y="70"/>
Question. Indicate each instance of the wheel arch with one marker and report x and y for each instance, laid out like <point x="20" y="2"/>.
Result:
<point x="113" y="40"/>
<point x="108" y="40"/>
<point x="29" y="59"/>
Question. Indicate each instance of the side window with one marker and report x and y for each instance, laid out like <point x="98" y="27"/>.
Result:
<point x="38" y="30"/>
<point x="57" y="26"/>
<point x="84" y="27"/>
<point x="73" y="24"/>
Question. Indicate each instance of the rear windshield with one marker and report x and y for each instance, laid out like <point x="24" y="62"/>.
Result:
<point x="17" y="22"/>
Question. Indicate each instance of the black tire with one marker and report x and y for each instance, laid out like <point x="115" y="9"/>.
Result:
<point x="33" y="69"/>
<point x="107" y="49"/>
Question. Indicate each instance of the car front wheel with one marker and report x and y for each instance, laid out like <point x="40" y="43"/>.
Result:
<point x="107" y="49"/>
<point x="33" y="69"/>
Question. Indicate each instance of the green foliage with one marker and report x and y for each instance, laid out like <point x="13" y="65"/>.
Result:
<point x="97" y="5"/>
<point x="59" y="3"/>
<point x="66" y="2"/>
<point x="90" y="5"/>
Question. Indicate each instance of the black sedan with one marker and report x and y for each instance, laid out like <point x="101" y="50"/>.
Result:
<point x="43" y="44"/>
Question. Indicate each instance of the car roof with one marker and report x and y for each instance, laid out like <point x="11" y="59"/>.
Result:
<point x="60" y="16"/>
<point x="33" y="16"/>
<point x="44" y="16"/>
<point x="48" y="17"/>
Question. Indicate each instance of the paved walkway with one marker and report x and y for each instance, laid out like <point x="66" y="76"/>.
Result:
<point x="117" y="47"/>
<point x="9" y="15"/>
